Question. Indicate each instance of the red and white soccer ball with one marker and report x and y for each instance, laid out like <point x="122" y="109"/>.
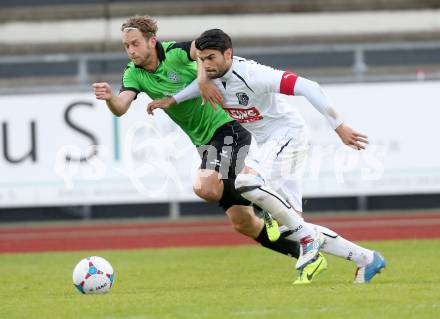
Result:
<point x="93" y="275"/>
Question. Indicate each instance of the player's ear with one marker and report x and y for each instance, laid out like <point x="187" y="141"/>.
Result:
<point x="152" y="41"/>
<point x="228" y="53"/>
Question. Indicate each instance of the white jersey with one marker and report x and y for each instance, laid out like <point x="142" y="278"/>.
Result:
<point x="252" y="97"/>
<point x="256" y="96"/>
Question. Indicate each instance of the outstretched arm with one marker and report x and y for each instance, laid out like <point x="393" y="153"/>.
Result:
<point x="117" y="104"/>
<point x="313" y="93"/>
<point x="190" y="92"/>
<point x="269" y="80"/>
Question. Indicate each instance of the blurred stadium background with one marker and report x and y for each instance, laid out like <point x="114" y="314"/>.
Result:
<point x="378" y="60"/>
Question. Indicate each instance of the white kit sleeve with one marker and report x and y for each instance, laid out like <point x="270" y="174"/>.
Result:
<point x="188" y="93"/>
<point x="264" y="79"/>
<point x="313" y="93"/>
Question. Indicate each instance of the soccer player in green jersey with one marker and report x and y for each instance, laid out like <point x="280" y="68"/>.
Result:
<point x="164" y="68"/>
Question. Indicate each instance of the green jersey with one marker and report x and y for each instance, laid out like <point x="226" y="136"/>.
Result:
<point x="176" y="71"/>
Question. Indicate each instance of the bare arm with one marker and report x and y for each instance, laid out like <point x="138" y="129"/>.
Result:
<point x="117" y="104"/>
<point x="164" y="103"/>
<point x="190" y="92"/>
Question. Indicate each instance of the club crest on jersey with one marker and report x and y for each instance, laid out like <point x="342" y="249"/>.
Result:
<point x="172" y="75"/>
<point x="243" y="98"/>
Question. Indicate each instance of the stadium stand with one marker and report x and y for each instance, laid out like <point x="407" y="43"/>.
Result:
<point x="43" y="10"/>
<point x="393" y="40"/>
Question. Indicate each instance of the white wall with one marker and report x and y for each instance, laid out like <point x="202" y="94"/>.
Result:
<point x="402" y="123"/>
<point x="148" y="159"/>
<point x="237" y="26"/>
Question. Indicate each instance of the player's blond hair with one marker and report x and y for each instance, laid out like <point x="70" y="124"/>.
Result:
<point x="145" y="24"/>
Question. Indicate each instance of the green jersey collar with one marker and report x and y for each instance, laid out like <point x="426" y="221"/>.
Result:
<point x="160" y="51"/>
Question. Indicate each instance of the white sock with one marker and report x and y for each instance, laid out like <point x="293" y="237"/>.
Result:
<point x="341" y="247"/>
<point x="254" y="189"/>
<point x="272" y="202"/>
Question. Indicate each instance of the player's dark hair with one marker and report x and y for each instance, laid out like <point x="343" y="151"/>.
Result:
<point x="214" y="39"/>
<point x="144" y="24"/>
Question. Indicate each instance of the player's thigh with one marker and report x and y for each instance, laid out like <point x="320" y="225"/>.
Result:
<point x="285" y="176"/>
<point x="227" y="150"/>
<point x="281" y="161"/>
<point x="287" y="155"/>
<point x="244" y="220"/>
<point x="221" y="159"/>
<point x="207" y="182"/>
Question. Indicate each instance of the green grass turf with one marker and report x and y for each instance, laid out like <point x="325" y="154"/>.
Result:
<point x="226" y="282"/>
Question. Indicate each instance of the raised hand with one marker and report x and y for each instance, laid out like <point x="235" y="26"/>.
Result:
<point x="351" y="138"/>
<point x="160" y="104"/>
<point x="210" y="93"/>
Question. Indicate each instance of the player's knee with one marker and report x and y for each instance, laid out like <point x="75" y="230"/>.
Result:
<point x="247" y="182"/>
<point x="210" y="194"/>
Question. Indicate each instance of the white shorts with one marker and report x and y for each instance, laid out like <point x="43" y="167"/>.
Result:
<point x="280" y="160"/>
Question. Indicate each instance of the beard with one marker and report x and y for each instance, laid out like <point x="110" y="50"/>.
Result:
<point x="141" y="60"/>
<point x="215" y="74"/>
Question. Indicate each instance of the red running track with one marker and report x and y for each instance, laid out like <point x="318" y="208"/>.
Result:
<point x="422" y="225"/>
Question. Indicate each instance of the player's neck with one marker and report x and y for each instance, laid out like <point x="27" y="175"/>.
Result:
<point x="228" y="68"/>
<point x="152" y="65"/>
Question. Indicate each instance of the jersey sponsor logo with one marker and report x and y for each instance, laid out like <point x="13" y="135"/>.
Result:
<point x="244" y="115"/>
<point x="243" y="98"/>
<point x="172" y="75"/>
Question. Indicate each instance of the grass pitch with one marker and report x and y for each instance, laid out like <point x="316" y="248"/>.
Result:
<point x="229" y="282"/>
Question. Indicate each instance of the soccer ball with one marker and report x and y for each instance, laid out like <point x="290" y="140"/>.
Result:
<point x="93" y="275"/>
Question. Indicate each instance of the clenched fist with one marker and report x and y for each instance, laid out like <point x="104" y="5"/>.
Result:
<point x="103" y="91"/>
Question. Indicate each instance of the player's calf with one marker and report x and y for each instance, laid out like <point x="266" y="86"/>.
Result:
<point x="244" y="220"/>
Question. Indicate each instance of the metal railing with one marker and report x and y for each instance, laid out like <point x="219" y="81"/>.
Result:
<point x="358" y="63"/>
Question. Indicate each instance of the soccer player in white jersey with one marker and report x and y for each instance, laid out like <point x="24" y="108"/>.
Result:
<point x="253" y="95"/>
